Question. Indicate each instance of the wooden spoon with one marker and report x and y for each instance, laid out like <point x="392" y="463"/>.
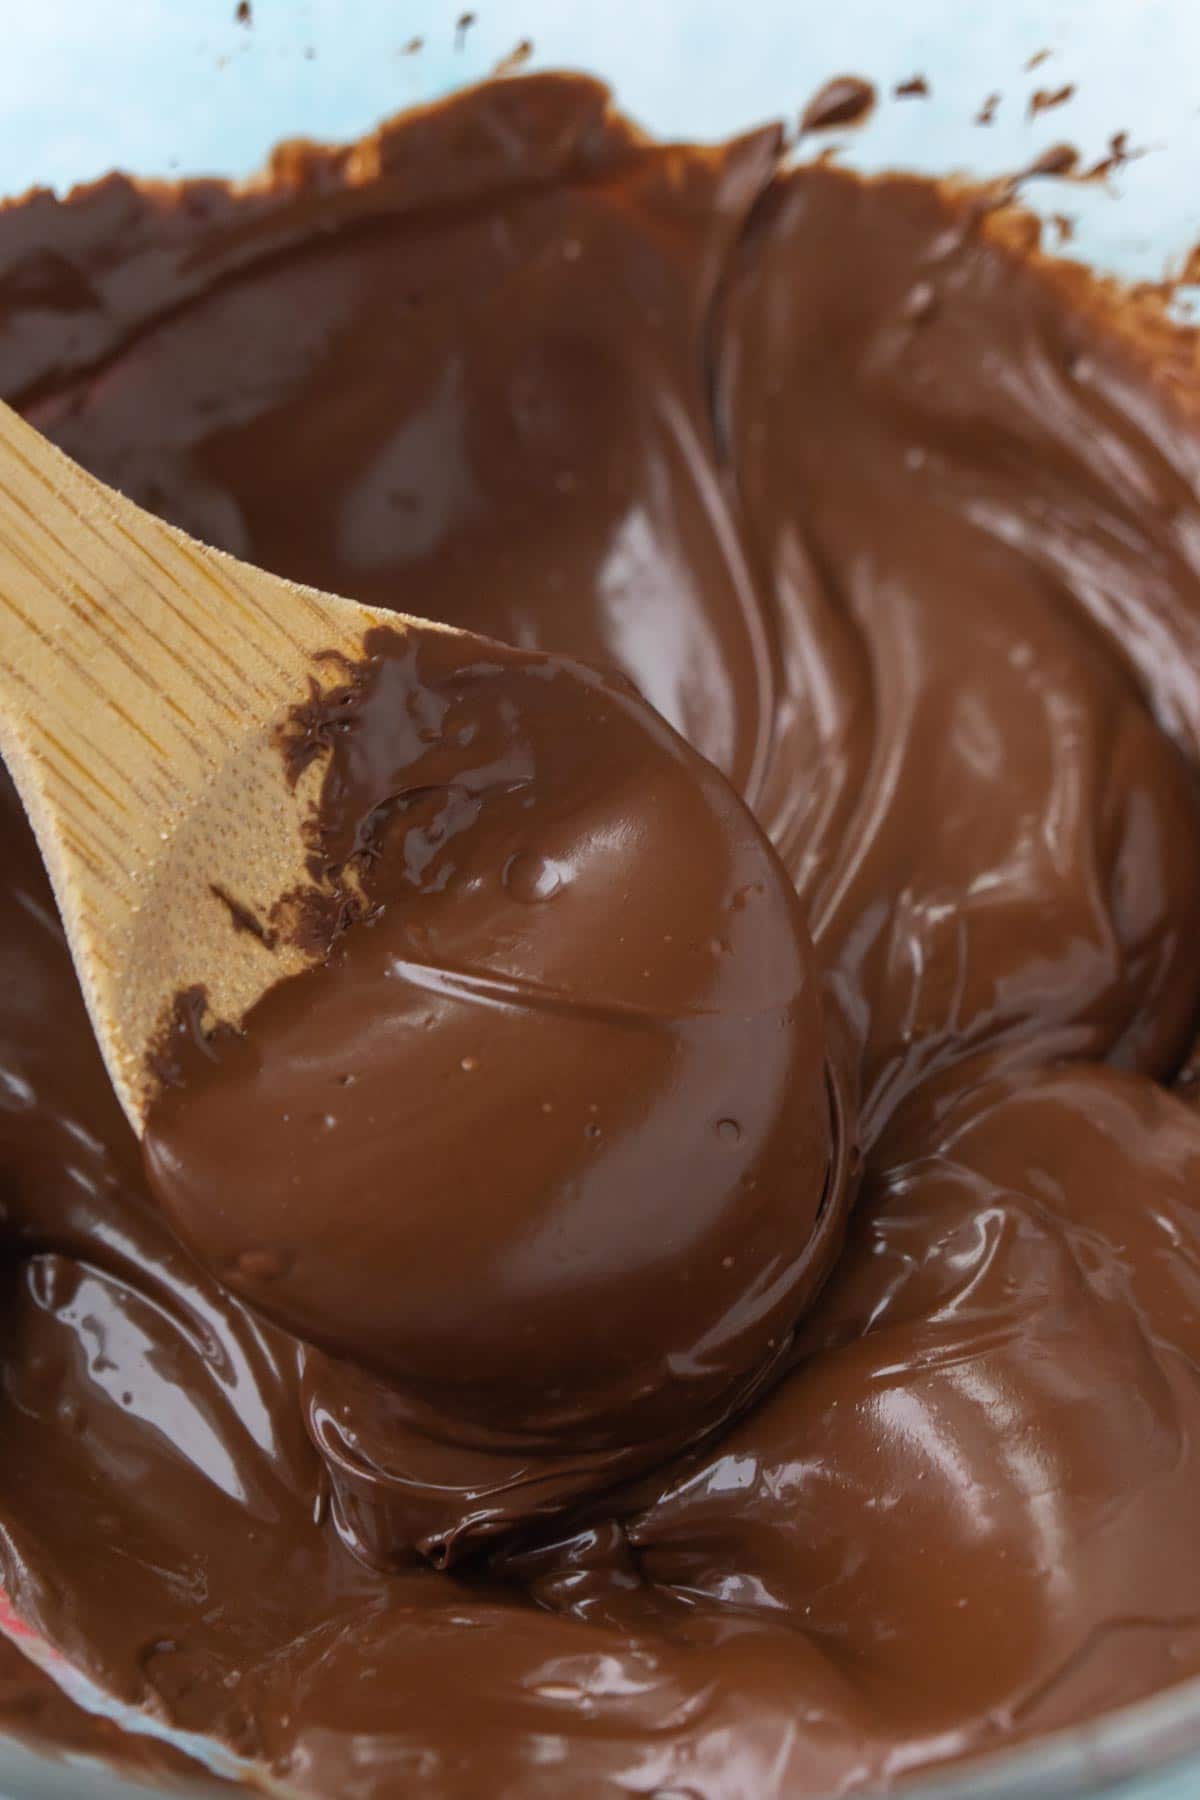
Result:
<point x="143" y="680"/>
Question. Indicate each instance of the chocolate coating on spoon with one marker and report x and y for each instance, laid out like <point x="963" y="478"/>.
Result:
<point x="548" y="1140"/>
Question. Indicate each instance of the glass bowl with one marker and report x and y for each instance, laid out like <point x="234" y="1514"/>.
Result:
<point x="166" y="87"/>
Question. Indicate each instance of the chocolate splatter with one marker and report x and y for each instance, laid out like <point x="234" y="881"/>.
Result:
<point x="1119" y="153"/>
<point x="845" y="100"/>
<point x="1046" y="99"/>
<point x="516" y="58"/>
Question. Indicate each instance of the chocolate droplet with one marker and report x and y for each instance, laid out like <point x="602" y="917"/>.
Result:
<point x="531" y="878"/>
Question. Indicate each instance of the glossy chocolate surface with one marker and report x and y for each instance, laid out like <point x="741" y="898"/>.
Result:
<point x="547" y="1147"/>
<point x="896" y="524"/>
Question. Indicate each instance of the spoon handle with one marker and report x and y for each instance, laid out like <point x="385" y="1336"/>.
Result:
<point x="128" y="655"/>
<point x="138" y="670"/>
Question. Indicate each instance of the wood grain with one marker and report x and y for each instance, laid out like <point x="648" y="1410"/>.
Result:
<point x="143" y="677"/>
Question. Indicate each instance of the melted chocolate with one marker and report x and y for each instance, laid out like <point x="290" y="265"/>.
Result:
<point x="896" y="523"/>
<point x="548" y="1143"/>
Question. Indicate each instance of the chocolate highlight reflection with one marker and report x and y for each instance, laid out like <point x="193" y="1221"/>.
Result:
<point x="897" y="526"/>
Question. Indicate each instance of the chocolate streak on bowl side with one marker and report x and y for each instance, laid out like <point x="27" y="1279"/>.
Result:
<point x="897" y="525"/>
<point x="36" y="1711"/>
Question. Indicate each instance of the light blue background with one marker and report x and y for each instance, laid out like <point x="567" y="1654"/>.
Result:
<point x="155" y="86"/>
<point x="178" y="86"/>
